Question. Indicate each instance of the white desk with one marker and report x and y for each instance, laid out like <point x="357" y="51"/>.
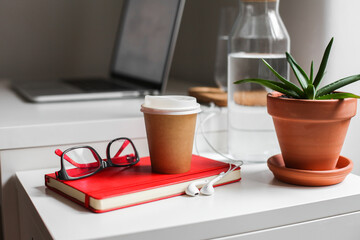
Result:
<point x="30" y="132"/>
<point x="258" y="207"/>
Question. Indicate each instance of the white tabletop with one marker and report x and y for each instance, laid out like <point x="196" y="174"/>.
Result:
<point x="257" y="202"/>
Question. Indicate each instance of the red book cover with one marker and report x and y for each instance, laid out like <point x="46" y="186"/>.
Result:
<point x="115" y="188"/>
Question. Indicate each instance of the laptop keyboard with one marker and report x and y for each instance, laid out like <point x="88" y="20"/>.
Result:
<point x="95" y="85"/>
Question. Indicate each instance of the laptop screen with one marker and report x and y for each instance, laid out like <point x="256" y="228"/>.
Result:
<point x="144" y="44"/>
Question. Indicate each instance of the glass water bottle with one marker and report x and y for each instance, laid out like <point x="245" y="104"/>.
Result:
<point x="258" y="33"/>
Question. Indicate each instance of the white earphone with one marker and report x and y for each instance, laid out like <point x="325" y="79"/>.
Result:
<point x="207" y="189"/>
<point x="192" y="189"/>
<point x="208" y="185"/>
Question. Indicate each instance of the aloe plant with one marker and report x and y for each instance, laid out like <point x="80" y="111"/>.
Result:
<point x="309" y="85"/>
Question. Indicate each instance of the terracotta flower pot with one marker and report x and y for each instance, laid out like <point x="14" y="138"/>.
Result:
<point x="310" y="132"/>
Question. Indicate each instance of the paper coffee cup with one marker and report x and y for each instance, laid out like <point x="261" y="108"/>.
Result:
<point x="170" y="127"/>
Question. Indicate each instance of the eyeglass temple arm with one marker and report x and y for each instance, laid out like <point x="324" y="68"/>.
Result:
<point x="79" y="165"/>
<point x="123" y="146"/>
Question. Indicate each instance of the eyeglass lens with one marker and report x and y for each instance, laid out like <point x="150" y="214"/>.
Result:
<point x="122" y="152"/>
<point x="81" y="162"/>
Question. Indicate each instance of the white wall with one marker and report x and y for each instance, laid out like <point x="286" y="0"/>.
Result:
<point x="312" y="23"/>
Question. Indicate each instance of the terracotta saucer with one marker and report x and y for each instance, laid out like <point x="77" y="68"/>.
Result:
<point x="308" y="177"/>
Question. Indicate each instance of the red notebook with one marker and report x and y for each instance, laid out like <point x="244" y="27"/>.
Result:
<point x="115" y="188"/>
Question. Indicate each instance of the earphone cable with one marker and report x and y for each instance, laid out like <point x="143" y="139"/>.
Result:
<point x="212" y="111"/>
<point x="231" y="161"/>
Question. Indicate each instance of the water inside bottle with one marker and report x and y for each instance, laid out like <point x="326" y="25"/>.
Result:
<point x="251" y="134"/>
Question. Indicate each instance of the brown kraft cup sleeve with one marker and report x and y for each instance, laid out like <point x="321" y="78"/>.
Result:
<point x="170" y="140"/>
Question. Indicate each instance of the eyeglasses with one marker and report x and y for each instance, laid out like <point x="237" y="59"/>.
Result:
<point x="83" y="161"/>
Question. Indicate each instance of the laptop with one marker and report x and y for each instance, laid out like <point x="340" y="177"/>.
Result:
<point x="141" y="58"/>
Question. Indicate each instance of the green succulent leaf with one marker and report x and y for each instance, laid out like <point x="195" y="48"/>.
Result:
<point x="323" y="64"/>
<point x="337" y="96"/>
<point x="310" y="91"/>
<point x="336" y="85"/>
<point x="276" y="86"/>
<point x="311" y="71"/>
<point x="299" y="72"/>
<point x="289" y="84"/>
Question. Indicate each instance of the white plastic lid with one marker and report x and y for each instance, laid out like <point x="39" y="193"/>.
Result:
<point x="170" y="105"/>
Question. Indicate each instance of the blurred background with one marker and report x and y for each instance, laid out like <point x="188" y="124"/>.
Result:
<point x="50" y="38"/>
<point x="44" y="39"/>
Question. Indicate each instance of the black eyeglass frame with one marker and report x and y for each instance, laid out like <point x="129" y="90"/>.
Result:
<point x="62" y="174"/>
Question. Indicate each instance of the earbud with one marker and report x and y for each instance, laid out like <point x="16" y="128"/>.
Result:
<point x="192" y="189"/>
<point x="208" y="189"/>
